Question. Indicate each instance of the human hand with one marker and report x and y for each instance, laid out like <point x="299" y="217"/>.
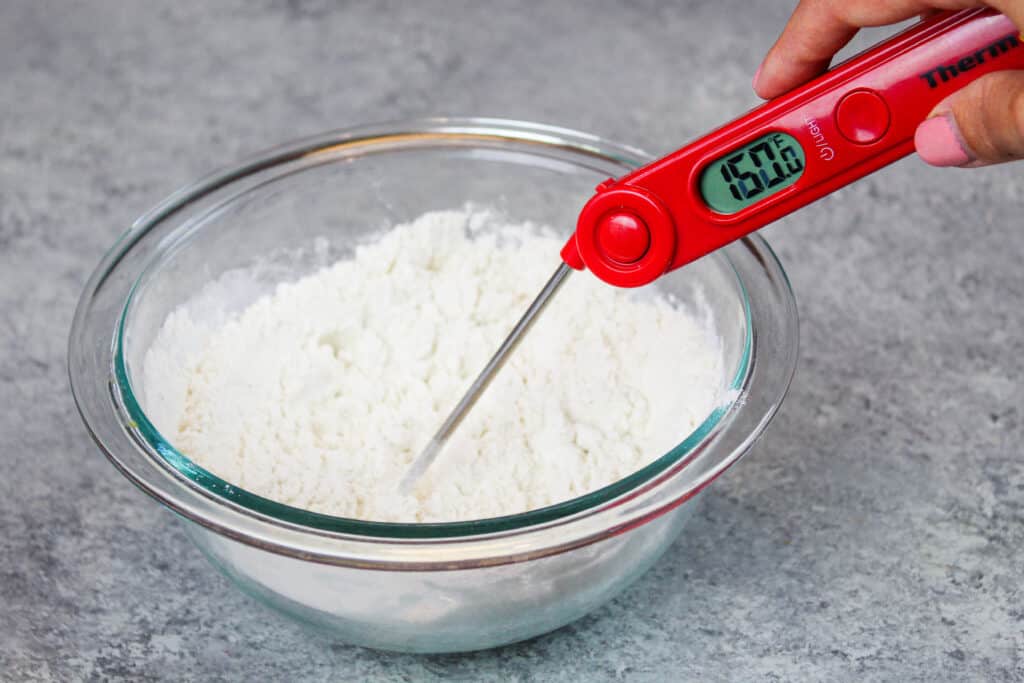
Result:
<point x="981" y="124"/>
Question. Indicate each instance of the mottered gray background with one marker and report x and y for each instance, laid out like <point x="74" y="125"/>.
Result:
<point x="877" y="531"/>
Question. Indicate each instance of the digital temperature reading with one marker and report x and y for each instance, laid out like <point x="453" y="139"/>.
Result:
<point x="751" y="173"/>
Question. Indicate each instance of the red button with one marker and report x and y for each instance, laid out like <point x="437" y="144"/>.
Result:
<point x="863" y="117"/>
<point x="623" y="237"/>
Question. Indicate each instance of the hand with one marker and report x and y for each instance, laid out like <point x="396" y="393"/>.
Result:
<point x="981" y="124"/>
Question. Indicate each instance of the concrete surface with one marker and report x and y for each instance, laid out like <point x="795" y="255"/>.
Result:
<point x="877" y="533"/>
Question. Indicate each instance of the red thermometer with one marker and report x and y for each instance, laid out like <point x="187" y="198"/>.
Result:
<point x="787" y="153"/>
<point x="783" y="155"/>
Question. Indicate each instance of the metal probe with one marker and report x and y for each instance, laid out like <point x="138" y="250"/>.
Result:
<point x="472" y="395"/>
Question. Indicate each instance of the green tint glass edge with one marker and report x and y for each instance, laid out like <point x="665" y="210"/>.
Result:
<point x="287" y="513"/>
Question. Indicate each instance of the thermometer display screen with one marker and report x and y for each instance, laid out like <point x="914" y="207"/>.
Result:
<point x="751" y="173"/>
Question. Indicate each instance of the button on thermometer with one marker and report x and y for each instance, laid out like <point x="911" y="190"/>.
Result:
<point x="779" y="157"/>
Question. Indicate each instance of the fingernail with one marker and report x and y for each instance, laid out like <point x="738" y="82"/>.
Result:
<point x="757" y="76"/>
<point x="939" y="143"/>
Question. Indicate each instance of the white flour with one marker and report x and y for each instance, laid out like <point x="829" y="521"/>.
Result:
<point x="320" y="395"/>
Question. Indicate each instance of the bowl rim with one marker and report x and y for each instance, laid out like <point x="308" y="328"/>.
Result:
<point x="273" y="525"/>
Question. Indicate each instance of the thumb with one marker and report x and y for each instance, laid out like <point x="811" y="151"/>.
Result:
<point x="979" y="125"/>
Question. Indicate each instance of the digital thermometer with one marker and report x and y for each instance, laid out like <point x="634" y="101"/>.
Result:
<point x="857" y="118"/>
<point x="788" y="152"/>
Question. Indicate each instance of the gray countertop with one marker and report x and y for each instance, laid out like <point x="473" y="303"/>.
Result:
<point x="876" y="532"/>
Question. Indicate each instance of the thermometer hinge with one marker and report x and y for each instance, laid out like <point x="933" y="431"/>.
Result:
<point x="624" y="235"/>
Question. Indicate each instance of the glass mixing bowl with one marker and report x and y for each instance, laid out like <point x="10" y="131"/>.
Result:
<point x="412" y="587"/>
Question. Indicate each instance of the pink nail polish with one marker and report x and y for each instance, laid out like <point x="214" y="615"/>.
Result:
<point x="939" y="143"/>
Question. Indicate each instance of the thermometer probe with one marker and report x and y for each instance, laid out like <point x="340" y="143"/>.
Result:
<point x="779" y="157"/>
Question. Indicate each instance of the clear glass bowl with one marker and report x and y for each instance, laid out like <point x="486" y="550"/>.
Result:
<point x="411" y="587"/>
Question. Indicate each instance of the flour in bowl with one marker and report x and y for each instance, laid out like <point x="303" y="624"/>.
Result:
<point x="321" y="394"/>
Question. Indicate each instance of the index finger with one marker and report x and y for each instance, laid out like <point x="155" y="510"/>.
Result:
<point x="818" y="29"/>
